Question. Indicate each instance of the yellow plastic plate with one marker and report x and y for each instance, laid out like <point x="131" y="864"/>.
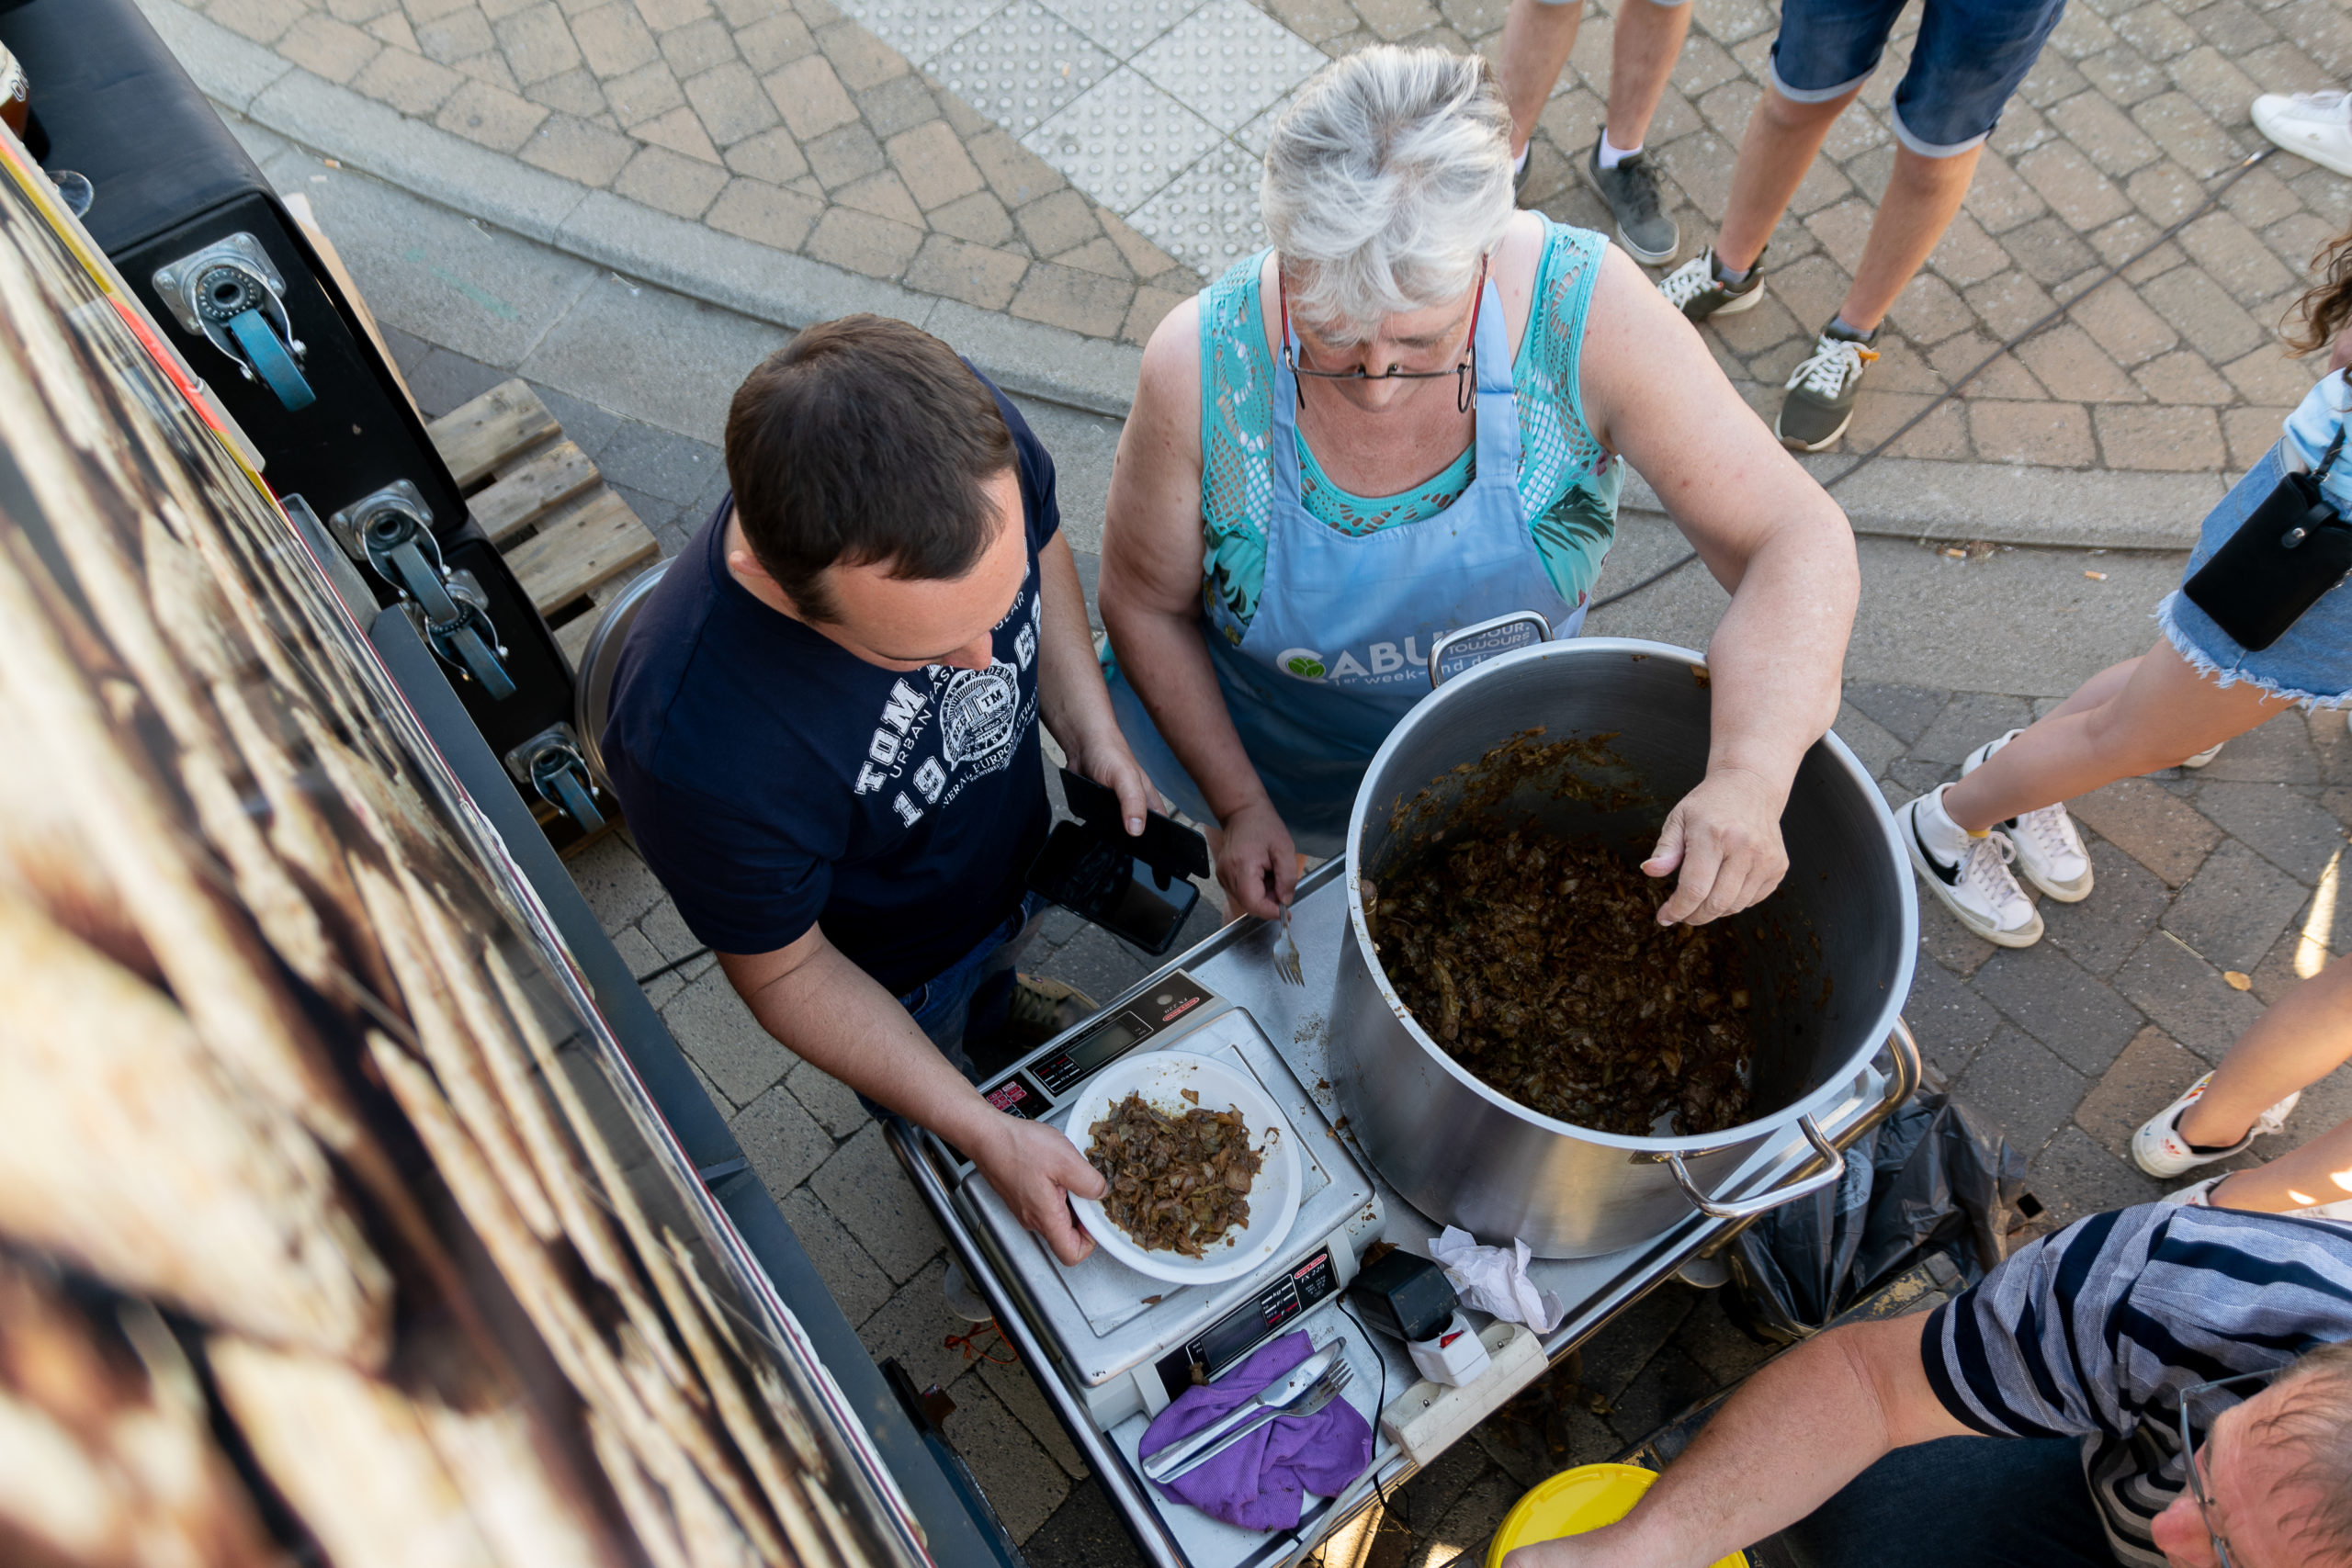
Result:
<point x="1576" y="1501"/>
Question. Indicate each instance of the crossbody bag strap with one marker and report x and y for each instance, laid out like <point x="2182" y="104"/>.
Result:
<point x="2328" y="460"/>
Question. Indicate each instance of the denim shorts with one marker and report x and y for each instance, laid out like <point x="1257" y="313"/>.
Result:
<point x="2311" y="664"/>
<point x="970" y="998"/>
<point x="1969" y="57"/>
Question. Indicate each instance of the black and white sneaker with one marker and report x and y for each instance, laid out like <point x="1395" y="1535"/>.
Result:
<point x="1697" y="287"/>
<point x="1968" y="872"/>
<point x="2050" y="852"/>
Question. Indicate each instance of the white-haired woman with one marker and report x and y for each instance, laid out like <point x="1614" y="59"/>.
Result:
<point x="1406" y="418"/>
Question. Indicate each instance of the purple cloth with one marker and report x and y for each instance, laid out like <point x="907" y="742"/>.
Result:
<point x="1257" y="1483"/>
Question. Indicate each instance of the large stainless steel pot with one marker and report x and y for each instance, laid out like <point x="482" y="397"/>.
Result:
<point x="1839" y="937"/>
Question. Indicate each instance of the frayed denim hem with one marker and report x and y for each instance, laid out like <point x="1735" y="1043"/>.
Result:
<point x="2232" y="674"/>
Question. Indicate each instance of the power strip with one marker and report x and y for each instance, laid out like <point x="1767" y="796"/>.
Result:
<point x="1426" y="1418"/>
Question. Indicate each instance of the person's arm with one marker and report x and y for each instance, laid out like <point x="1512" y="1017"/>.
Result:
<point x="827" y="1011"/>
<point x="1071" y="697"/>
<point x="1797" y="1432"/>
<point x="1772" y="537"/>
<point x="1150" y="599"/>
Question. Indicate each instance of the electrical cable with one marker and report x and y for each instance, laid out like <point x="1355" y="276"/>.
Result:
<point x="2112" y="271"/>
<point x="1387" y="1509"/>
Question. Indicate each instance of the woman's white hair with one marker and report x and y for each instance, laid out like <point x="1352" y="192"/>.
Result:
<point x="1387" y="179"/>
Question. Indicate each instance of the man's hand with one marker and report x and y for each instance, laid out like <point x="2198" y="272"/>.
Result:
<point x="1035" y="1169"/>
<point x="1726" y="836"/>
<point x="1257" y="862"/>
<point x="1104" y="758"/>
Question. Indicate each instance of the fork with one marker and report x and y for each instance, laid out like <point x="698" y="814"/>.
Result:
<point x="1286" y="955"/>
<point x="1328" y="1388"/>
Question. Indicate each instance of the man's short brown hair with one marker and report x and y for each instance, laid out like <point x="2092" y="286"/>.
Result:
<point x="863" y="441"/>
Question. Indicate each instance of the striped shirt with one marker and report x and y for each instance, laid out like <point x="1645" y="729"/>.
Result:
<point x="2093" y="1332"/>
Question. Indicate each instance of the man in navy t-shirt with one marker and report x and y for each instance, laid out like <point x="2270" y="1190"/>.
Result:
<point x="823" y="726"/>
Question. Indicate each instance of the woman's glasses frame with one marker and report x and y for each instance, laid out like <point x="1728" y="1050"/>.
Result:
<point x="1464" y="375"/>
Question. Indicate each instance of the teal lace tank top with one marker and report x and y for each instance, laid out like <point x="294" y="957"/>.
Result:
<point x="1567" y="483"/>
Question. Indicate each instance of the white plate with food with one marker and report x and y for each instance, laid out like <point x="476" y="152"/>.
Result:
<point x="1204" y="1168"/>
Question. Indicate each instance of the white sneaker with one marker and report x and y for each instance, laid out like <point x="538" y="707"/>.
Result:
<point x="1968" y="872"/>
<point x="964" y="1301"/>
<point x="2050" y="852"/>
<point x="2317" y="126"/>
<point x="2199" y="1195"/>
<point x="2160" y="1150"/>
<point x="2205" y="756"/>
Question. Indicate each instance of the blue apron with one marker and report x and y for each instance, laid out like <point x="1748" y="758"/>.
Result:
<point x="1338" y="648"/>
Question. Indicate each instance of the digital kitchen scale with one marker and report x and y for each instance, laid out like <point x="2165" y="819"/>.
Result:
<point x="1129" y="1341"/>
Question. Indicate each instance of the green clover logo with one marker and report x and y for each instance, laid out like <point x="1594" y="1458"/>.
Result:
<point x="1306" y="668"/>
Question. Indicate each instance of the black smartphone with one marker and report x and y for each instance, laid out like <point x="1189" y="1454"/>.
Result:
<point x="1133" y="886"/>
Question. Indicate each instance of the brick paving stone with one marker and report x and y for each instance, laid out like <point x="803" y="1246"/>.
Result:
<point x="2061" y="1004"/>
<point x="934" y="165"/>
<point x="832" y="1102"/>
<point x="1904" y="711"/>
<point x="1951" y="1022"/>
<point x="810" y="96"/>
<point x="850" y="153"/>
<point x="772" y="156"/>
<point x="2163" y="834"/>
<point x="1018" y="1388"/>
<point x="730" y="102"/>
<point x="2292" y="831"/>
<point x="2280" y="750"/>
<point x="862" y="242"/>
<point x="2159" y="439"/>
<point x="2185" y="996"/>
<point x="855" y="1280"/>
<point x="2150" y="1075"/>
<point x="2052" y="434"/>
<point x="912" y="1326"/>
<point x="1948" y="943"/>
<point x="714" y="1027"/>
<point x="1021" y="1484"/>
<point x="2126" y="903"/>
<point x="671" y="181"/>
<point x="569" y="146"/>
<point x="1969" y="720"/>
<point x="783" y="1142"/>
<point x="2024" y="1087"/>
<point x="885" y="196"/>
<point x="2182" y="377"/>
<point x="2072" y="366"/>
<point x="2074" y="1176"/>
<point x="974" y="274"/>
<point x="2234" y="907"/>
<point x="864" y="1188"/>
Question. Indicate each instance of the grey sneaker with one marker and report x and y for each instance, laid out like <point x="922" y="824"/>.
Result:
<point x="1697" y="287"/>
<point x="1820" y="403"/>
<point x="1631" y="190"/>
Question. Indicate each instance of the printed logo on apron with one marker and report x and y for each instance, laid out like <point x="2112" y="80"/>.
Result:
<point x="1382" y="663"/>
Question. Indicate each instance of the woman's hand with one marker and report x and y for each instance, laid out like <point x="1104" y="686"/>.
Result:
<point x="1103" y="757"/>
<point x="1726" y="836"/>
<point x="1257" y="862"/>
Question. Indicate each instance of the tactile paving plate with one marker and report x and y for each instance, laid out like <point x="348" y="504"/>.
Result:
<point x="921" y="29"/>
<point x="1227" y="61"/>
<point x="1122" y="140"/>
<point x="1022" y="66"/>
<point x="1207" y="215"/>
<point x="1123" y="27"/>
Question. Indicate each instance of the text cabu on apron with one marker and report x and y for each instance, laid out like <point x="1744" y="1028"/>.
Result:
<point x="1337" y="651"/>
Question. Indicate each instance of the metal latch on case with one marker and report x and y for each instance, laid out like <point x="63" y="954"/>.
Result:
<point x="551" y="763"/>
<point x="233" y="295"/>
<point x="391" y="531"/>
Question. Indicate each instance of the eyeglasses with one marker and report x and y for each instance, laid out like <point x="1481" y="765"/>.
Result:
<point x="1465" y="384"/>
<point x="2200" y="1486"/>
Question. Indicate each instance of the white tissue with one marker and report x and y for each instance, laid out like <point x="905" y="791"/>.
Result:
<point x="1492" y="1279"/>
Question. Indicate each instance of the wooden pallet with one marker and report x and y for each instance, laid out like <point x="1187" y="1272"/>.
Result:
<point x="573" y="542"/>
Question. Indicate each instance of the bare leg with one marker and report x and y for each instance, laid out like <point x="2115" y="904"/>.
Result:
<point x="1536" y="41"/>
<point x="1641" y="58"/>
<point x="2165" y="711"/>
<point x="1921" y="197"/>
<point x="2319" y="1172"/>
<point x="1780" y="143"/>
<point x="2293" y="1045"/>
<point x="2098" y="689"/>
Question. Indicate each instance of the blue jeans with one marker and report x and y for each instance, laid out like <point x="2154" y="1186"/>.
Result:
<point x="1960" y="1503"/>
<point x="1969" y="57"/>
<point x="968" y="1000"/>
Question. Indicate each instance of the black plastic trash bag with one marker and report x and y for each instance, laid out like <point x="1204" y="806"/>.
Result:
<point x="1934" y="1175"/>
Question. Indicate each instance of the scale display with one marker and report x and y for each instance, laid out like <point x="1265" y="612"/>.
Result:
<point x="1246" y="1327"/>
<point x="1034" y="1089"/>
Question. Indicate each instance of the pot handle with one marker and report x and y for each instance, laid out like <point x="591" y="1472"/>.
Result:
<point x="1487" y="628"/>
<point x="1901" y="1083"/>
<point x="1763" y="1202"/>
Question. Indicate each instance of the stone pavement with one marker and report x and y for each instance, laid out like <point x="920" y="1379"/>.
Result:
<point x="2069" y="1045"/>
<point x="1082" y="162"/>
